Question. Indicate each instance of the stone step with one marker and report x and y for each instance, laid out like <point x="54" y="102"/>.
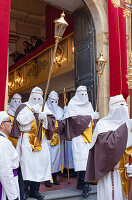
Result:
<point x="69" y="194"/>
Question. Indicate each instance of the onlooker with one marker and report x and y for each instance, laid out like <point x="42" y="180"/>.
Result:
<point x="16" y="56"/>
<point x="36" y="42"/>
<point x="27" y="47"/>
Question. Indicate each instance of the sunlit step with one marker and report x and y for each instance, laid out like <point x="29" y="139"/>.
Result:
<point x="69" y="194"/>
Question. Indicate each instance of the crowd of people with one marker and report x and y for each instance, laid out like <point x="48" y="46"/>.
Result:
<point x="30" y="154"/>
<point x="28" y="48"/>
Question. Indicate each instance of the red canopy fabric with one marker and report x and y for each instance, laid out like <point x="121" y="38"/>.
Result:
<point x="117" y="51"/>
<point x="4" y="37"/>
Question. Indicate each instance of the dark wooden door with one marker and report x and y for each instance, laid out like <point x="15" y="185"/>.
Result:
<point x="85" y="52"/>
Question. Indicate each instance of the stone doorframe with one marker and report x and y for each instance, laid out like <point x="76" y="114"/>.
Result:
<point x="99" y="12"/>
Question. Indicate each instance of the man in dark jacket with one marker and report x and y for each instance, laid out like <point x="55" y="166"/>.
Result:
<point x="36" y="42"/>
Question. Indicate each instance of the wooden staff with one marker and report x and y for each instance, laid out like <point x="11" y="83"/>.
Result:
<point x="61" y="156"/>
<point x="60" y="26"/>
<point x="65" y="101"/>
<point x="130" y="180"/>
<point x="49" y="77"/>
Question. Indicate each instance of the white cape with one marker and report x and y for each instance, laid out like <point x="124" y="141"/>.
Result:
<point x="118" y="115"/>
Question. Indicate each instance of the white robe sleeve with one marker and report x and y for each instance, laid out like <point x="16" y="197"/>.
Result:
<point x="25" y="117"/>
<point x="6" y="169"/>
<point x="45" y="122"/>
<point x="129" y="127"/>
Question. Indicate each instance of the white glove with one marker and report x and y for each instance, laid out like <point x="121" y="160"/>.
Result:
<point x="42" y="116"/>
<point x="36" y="108"/>
<point x="129" y="124"/>
<point x="95" y="115"/>
<point x="129" y="169"/>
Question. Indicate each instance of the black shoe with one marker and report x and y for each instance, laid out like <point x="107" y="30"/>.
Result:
<point x="36" y="195"/>
<point x="72" y="174"/>
<point x="25" y="196"/>
<point x="86" y="190"/>
<point x="79" y="186"/>
<point x="80" y="181"/>
<point x="56" y="182"/>
<point x="48" y="184"/>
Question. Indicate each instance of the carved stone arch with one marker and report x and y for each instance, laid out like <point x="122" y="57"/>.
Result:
<point x="99" y="12"/>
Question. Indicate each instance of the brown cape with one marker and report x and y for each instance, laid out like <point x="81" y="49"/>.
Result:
<point x="40" y="128"/>
<point x="15" y="132"/>
<point x="76" y="125"/>
<point x="51" y="127"/>
<point x="106" y="153"/>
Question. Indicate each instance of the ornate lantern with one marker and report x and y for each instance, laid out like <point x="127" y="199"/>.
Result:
<point x="100" y="64"/>
<point x="60" y="26"/>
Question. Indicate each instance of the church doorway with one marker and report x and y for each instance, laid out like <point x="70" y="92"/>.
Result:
<point x="84" y="73"/>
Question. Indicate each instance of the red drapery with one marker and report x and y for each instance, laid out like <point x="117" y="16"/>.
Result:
<point x="4" y="36"/>
<point x="117" y="51"/>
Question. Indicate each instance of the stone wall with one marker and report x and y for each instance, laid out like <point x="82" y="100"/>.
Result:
<point x="99" y="11"/>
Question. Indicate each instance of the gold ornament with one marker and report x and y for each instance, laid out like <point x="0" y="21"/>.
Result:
<point x="125" y="4"/>
<point x="116" y="3"/>
<point x="129" y="71"/>
<point x="126" y="12"/>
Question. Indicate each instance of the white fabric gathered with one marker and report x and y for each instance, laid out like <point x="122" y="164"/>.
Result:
<point x="129" y="124"/>
<point x="26" y="116"/>
<point x="46" y="112"/>
<point x="36" y="97"/>
<point x="80" y="105"/>
<point x="51" y="108"/>
<point x="129" y="169"/>
<point x="52" y="105"/>
<point x="118" y="115"/>
<point x="3" y="116"/>
<point x="14" y="104"/>
<point x="8" y="161"/>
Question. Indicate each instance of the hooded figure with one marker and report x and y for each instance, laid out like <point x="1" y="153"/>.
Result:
<point x="12" y="107"/>
<point x="14" y="104"/>
<point x="54" y="127"/>
<point x="9" y="161"/>
<point x="79" y="118"/>
<point x="32" y="145"/>
<point x="109" y="152"/>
